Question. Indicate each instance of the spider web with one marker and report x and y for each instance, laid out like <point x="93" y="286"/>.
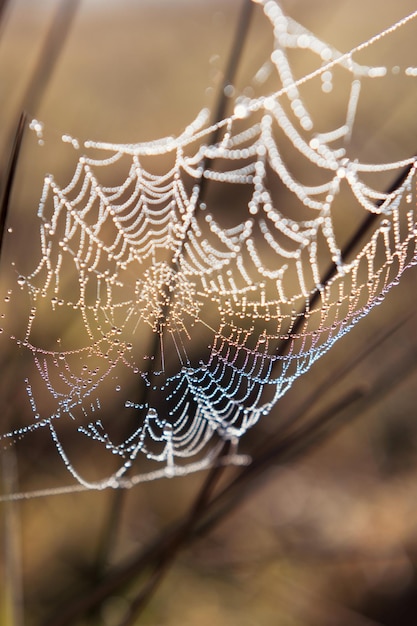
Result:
<point x="192" y="316"/>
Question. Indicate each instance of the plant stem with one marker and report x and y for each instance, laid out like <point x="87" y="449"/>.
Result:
<point x="110" y="529"/>
<point x="10" y="176"/>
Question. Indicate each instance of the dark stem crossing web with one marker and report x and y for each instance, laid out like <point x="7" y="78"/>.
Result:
<point x="117" y="497"/>
<point x="368" y="222"/>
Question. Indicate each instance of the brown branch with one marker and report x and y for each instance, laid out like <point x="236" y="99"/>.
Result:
<point x="10" y="176"/>
<point x="355" y="239"/>
<point x="48" y="57"/>
<point x="161" y="552"/>
<point x="46" y="62"/>
<point x="110" y="529"/>
<point x="280" y="449"/>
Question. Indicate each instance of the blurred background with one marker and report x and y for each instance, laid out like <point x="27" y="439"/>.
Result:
<point x="326" y="532"/>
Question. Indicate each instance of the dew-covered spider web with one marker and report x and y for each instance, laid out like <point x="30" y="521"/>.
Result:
<point x="178" y="288"/>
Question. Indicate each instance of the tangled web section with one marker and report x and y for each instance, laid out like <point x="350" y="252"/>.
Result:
<point x="177" y="319"/>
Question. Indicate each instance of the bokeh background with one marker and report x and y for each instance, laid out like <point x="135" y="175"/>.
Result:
<point x="325" y="537"/>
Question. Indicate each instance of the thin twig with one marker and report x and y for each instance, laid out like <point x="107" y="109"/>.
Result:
<point x="110" y="529"/>
<point x="303" y="440"/>
<point x="337" y="375"/>
<point x="351" y="244"/>
<point x="183" y="533"/>
<point x="46" y="62"/>
<point x="277" y="451"/>
<point x="158" y="553"/>
<point x="3" y="7"/>
<point x="179" y="539"/>
<point x="10" y="176"/>
<point x="51" y="50"/>
<point x="281" y="448"/>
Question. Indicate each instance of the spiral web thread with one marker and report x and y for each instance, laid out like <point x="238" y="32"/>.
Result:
<point x="233" y="306"/>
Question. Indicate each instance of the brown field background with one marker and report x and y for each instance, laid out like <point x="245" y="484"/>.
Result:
<point x="328" y="539"/>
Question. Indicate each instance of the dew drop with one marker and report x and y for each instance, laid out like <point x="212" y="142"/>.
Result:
<point x="167" y="432"/>
<point x="229" y="91"/>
